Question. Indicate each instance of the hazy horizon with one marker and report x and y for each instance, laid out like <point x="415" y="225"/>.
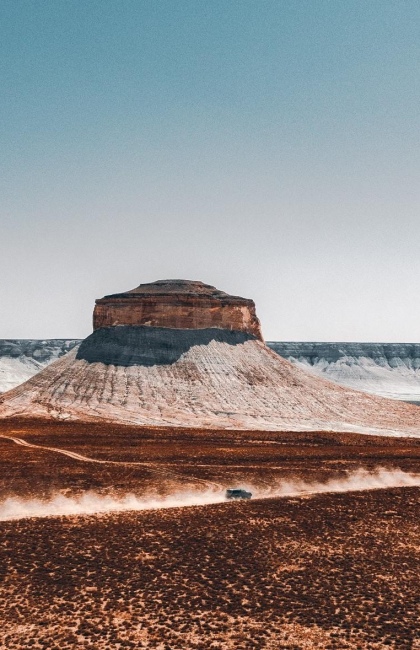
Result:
<point x="268" y="148"/>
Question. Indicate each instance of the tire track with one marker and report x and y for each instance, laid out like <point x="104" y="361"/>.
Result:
<point x="168" y="473"/>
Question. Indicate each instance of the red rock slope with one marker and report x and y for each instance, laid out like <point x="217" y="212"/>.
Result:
<point x="181" y="304"/>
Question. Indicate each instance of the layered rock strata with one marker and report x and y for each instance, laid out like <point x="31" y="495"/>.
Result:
<point x="179" y="304"/>
<point x="219" y="385"/>
<point x="20" y="359"/>
<point x="205" y="377"/>
<point x="386" y="369"/>
<point x="150" y="346"/>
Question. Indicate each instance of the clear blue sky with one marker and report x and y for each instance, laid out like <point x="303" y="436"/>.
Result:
<point x="268" y="147"/>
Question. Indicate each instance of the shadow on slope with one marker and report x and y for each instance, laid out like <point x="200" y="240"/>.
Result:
<point x="150" y="346"/>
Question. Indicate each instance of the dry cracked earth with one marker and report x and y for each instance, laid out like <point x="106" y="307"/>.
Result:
<point x="334" y="571"/>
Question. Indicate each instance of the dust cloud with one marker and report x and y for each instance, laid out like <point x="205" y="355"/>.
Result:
<point x="356" y="480"/>
<point x="91" y="503"/>
<point x="94" y="503"/>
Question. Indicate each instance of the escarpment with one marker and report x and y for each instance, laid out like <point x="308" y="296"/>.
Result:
<point x="180" y="353"/>
<point x="178" y="304"/>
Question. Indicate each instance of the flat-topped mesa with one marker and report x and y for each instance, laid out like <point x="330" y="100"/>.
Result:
<point x="177" y="304"/>
<point x="183" y="354"/>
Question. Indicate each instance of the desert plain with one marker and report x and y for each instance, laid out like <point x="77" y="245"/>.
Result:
<point x="325" y="554"/>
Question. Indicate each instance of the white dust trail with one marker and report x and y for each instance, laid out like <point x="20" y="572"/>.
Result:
<point x="92" y="503"/>
<point x="354" y="481"/>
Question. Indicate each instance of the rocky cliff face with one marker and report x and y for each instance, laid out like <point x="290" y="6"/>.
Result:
<point x="20" y="359"/>
<point x="127" y="346"/>
<point x="220" y="385"/>
<point x="390" y="369"/>
<point x="181" y="353"/>
<point x="179" y="304"/>
<point x="386" y="369"/>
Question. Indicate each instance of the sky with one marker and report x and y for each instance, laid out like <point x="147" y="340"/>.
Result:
<point x="267" y="147"/>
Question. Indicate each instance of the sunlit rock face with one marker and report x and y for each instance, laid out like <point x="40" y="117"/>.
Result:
<point x="178" y="304"/>
<point x="178" y="353"/>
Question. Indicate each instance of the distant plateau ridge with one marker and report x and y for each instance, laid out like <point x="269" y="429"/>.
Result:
<point x="386" y="369"/>
<point x="182" y="353"/>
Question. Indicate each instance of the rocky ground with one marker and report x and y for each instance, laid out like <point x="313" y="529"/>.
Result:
<point x="164" y="459"/>
<point x="329" y="571"/>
